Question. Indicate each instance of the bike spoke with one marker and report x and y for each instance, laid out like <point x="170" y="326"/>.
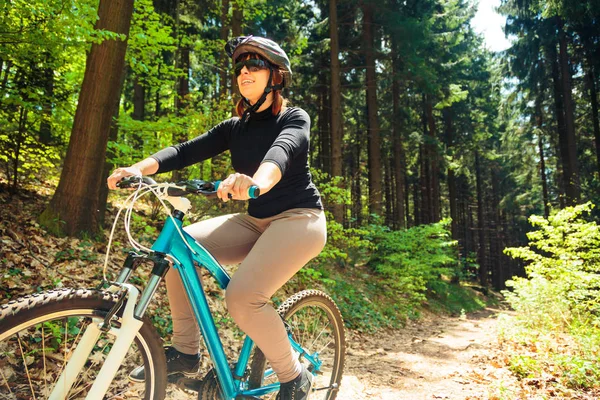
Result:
<point x="92" y="364"/>
<point x="47" y="335"/>
<point x="44" y="359"/>
<point x="26" y="367"/>
<point x="319" y="336"/>
<point x="65" y="354"/>
<point x="5" y="381"/>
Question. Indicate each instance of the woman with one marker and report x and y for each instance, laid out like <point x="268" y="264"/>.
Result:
<point x="284" y="228"/>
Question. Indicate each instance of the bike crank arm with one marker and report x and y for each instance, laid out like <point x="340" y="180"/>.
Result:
<point x="335" y="386"/>
<point x="125" y="335"/>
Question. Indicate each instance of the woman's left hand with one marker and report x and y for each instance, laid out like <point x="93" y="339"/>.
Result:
<point x="237" y="186"/>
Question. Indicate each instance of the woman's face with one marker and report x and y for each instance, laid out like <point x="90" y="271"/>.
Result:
<point x="253" y="78"/>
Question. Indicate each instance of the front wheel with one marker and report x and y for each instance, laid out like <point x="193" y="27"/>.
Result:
<point x="315" y="323"/>
<point x="39" y="333"/>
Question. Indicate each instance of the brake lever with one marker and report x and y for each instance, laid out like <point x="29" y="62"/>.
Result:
<point x="197" y="186"/>
<point x="133" y="181"/>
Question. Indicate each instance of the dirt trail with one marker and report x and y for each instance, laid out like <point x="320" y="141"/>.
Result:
<point x="436" y="358"/>
<point x="433" y="358"/>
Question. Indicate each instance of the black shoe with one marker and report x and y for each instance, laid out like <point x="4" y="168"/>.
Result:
<point x="298" y="389"/>
<point x="177" y="362"/>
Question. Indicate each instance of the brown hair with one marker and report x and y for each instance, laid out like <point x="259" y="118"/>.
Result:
<point x="279" y="102"/>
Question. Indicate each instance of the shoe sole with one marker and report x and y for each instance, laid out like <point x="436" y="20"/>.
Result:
<point x="186" y="374"/>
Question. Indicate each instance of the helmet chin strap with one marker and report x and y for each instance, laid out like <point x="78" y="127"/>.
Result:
<point x="253" y="108"/>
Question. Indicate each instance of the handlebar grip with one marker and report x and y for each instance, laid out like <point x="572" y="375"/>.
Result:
<point x="253" y="191"/>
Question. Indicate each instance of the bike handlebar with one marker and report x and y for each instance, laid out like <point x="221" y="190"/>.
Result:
<point x="184" y="188"/>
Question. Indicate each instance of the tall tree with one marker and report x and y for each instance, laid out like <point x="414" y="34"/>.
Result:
<point x="570" y="164"/>
<point x="76" y="200"/>
<point x="375" y="166"/>
<point x="399" y="159"/>
<point x="336" y="103"/>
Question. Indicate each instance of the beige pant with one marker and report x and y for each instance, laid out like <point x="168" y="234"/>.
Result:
<point x="271" y="251"/>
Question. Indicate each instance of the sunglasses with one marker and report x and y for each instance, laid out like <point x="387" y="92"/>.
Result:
<point x="252" y="64"/>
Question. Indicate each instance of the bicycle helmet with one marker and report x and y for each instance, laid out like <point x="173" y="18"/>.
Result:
<point x="266" y="48"/>
<point x="271" y="52"/>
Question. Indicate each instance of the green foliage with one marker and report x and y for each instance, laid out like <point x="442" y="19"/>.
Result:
<point x="331" y="188"/>
<point x="138" y="139"/>
<point x="454" y="298"/>
<point x="413" y="261"/>
<point x="345" y="246"/>
<point x="150" y="37"/>
<point x="557" y="303"/>
<point x="524" y="366"/>
<point x="363" y="307"/>
<point x="563" y="258"/>
<point x="411" y="268"/>
<point x="32" y="158"/>
<point x="84" y="251"/>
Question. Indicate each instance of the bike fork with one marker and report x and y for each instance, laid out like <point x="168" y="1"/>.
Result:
<point x="125" y="335"/>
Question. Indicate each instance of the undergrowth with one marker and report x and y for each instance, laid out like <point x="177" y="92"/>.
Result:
<point x="554" y="335"/>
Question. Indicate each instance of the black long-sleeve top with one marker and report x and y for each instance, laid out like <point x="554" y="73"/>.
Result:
<point x="281" y="139"/>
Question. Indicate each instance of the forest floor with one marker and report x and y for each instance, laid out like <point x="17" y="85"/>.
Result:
<point x="434" y="357"/>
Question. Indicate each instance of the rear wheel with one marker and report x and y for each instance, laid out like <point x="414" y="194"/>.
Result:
<point x="39" y="333"/>
<point x="316" y="324"/>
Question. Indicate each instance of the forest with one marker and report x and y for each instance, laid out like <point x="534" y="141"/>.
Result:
<point x="440" y="162"/>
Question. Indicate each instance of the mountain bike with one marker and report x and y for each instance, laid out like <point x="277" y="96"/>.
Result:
<point x="72" y="343"/>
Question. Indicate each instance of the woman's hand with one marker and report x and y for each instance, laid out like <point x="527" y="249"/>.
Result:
<point x="237" y="185"/>
<point x="121" y="173"/>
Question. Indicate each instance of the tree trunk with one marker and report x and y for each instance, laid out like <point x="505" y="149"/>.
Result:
<point x="108" y="166"/>
<point x="481" y="253"/>
<point x="139" y="100"/>
<point x="389" y="197"/>
<point x="570" y="167"/>
<point x="433" y="163"/>
<point x="46" y="122"/>
<point x="409" y="219"/>
<point x="357" y="175"/>
<point x="375" y="169"/>
<point x="183" y="82"/>
<point x="21" y="131"/>
<point x="181" y="99"/>
<point x="324" y="119"/>
<point x="417" y="201"/>
<point x="451" y="179"/>
<point x="425" y="173"/>
<point x="139" y="113"/>
<point x="224" y="36"/>
<point x="237" y="19"/>
<point x="6" y="74"/>
<point x="157" y="107"/>
<point x="424" y="186"/>
<point x="400" y="220"/>
<point x="539" y="121"/>
<point x="336" y="104"/>
<point x="560" y="120"/>
<point x="591" y="77"/>
<point x="76" y="200"/>
<point x="494" y="237"/>
<point x="467" y="222"/>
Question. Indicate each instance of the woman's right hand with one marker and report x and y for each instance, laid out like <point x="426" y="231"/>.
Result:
<point x="121" y="173"/>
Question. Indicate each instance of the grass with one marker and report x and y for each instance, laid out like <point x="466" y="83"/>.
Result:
<point x="368" y="305"/>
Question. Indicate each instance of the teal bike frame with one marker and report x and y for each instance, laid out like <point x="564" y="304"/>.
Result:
<point x="170" y="243"/>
